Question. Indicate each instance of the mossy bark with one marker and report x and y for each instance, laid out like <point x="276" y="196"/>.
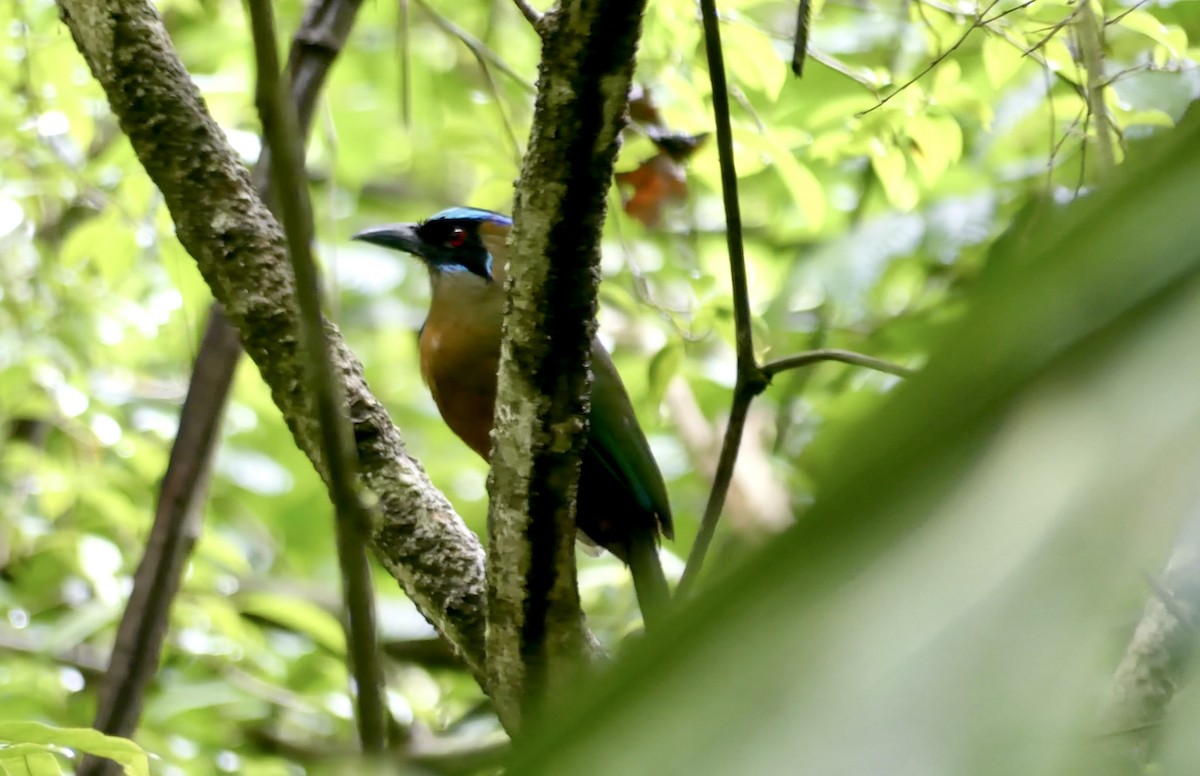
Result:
<point x="536" y="636"/>
<point x="240" y="250"/>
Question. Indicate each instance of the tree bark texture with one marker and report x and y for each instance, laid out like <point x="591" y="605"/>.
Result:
<point x="536" y="637"/>
<point x="240" y="251"/>
<point x="1157" y="660"/>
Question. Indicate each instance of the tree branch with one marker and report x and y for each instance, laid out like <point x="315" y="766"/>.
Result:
<point x="536" y="637"/>
<point x="143" y="626"/>
<point x="240" y="251"/>
<point x="800" y="47"/>
<point x="772" y="368"/>
<point x="1157" y="659"/>
<point x="732" y="441"/>
<point x="353" y="519"/>
<point x="531" y="14"/>
<point x="1091" y="51"/>
<point x="478" y="48"/>
<point x="743" y="394"/>
<point x="750" y="379"/>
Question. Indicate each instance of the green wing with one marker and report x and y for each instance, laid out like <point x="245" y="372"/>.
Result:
<point x="617" y="443"/>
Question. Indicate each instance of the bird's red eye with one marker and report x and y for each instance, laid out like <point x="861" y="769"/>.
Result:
<point x="458" y="236"/>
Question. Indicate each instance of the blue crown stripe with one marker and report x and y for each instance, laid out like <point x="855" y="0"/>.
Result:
<point x="470" y="214"/>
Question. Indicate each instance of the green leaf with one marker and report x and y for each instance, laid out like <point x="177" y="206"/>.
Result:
<point x="296" y="614"/>
<point x="1001" y="59"/>
<point x="129" y="755"/>
<point x="105" y="244"/>
<point x="937" y="144"/>
<point x="664" y="366"/>
<point x="1146" y="118"/>
<point x="752" y="61"/>
<point x="1172" y="38"/>
<point x="28" y="760"/>
<point x="806" y="191"/>
<point x="890" y="169"/>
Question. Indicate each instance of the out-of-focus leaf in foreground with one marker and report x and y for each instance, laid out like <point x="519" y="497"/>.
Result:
<point x="957" y="598"/>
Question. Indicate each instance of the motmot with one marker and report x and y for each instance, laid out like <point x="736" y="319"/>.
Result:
<point x="622" y="499"/>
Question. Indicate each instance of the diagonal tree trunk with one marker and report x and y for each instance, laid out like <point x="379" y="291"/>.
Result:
<point x="239" y="249"/>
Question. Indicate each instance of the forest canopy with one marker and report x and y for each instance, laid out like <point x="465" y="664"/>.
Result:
<point x="970" y="279"/>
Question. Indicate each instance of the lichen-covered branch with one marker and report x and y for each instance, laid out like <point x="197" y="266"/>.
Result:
<point x="143" y="625"/>
<point x="1157" y="660"/>
<point x="536" y="636"/>
<point x="240" y="251"/>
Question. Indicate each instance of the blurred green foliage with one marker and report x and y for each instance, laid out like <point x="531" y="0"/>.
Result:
<point x="869" y="211"/>
<point x="958" y="597"/>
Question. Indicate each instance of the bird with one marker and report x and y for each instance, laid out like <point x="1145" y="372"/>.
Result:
<point x="622" y="502"/>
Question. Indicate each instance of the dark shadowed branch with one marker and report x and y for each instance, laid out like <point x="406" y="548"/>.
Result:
<point x="337" y="445"/>
<point x="752" y="379"/>
<point x="143" y="628"/>
<point x="800" y="47"/>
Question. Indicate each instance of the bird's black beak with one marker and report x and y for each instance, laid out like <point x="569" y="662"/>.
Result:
<point x="400" y="237"/>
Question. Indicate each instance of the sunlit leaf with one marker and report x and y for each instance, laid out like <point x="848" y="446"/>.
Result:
<point x="1001" y="59"/>
<point x="663" y="367"/>
<point x="888" y="163"/>
<point x="1173" y="39"/>
<point x="752" y="61"/>
<point x="28" y="760"/>
<point x="129" y="755"/>
<point x="296" y="614"/>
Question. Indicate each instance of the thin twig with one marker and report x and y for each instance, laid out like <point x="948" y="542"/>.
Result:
<point x="1091" y="49"/>
<point x="730" y="445"/>
<point x="979" y="22"/>
<point x="729" y="190"/>
<point x="476" y="46"/>
<point x="1053" y="30"/>
<point x="353" y="519"/>
<point x="1116" y="19"/>
<point x="404" y="51"/>
<point x="1018" y="7"/>
<point x="1001" y="32"/>
<point x="531" y="14"/>
<point x="494" y="89"/>
<point x="750" y="379"/>
<point x="140" y="635"/>
<point x="930" y="29"/>
<point x="810" y="357"/>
